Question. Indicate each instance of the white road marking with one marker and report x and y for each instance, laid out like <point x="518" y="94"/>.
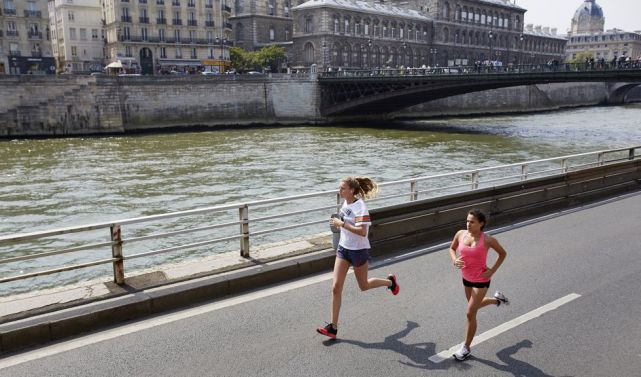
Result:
<point x="447" y="354"/>
<point x="158" y="321"/>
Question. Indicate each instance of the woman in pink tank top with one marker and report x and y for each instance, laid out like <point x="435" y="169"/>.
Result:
<point x="468" y="252"/>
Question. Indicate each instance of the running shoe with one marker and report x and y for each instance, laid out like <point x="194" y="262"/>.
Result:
<point x="463" y="353"/>
<point x="501" y="299"/>
<point x="328" y="330"/>
<point x="394" y="287"/>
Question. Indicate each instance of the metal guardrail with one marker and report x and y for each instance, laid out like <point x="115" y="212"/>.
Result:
<point x="482" y="69"/>
<point x="395" y="191"/>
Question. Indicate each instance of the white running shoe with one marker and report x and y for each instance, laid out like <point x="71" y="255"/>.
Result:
<point x="501" y="299"/>
<point x="463" y="353"/>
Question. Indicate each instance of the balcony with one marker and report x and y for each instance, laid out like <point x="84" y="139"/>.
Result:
<point x="209" y="6"/>
<point x="228" y="25"/>
<point x="33" y="13"/>
<point x="176" y="21"/>
<point x="191" y="4"/>
<point x="142" y="1"/>
<point x="34" y="34"/>
<point x="124" y="1"/>
<point x="10" y="12"/>
<point x="143" y="20"/>
<point x="175" y="3"/>
<point x="36" y="54"/>
<point x="160" y="2"/>
<point x="12" y="33"/>
<point x="125" y="18"/>
<point x="192" y="22"/>
<point x="226" y="9"/>
<point x="209" y="23"/>
<point x="161" y="21"/>
<point x="15" y="53"/>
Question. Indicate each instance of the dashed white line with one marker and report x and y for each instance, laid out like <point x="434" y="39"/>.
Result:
<point x="447" y="354"/>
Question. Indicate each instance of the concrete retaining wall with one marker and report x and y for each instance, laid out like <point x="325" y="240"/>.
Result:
<point x="513" y="100"/>
<point x="82" y="105"/>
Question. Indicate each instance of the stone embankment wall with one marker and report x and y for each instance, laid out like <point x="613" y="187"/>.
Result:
<point x="541" y="97"/>
<point x="84" y="105"/>
<point x="81" y="105"/>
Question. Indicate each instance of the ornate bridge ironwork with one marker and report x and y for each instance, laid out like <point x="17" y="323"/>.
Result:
<point x="346" y="93"/>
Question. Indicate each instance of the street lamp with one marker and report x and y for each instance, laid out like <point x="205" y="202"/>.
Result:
<point x="490" y="36"/>
<point x="433" y="51"/>
<point x="521" y="39"/>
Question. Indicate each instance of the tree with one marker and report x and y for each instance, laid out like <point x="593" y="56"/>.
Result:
<point x="268" y="57"/>
<point x="582" y="57"/>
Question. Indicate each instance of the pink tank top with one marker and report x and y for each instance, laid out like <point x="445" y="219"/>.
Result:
<point x="475" y="259"/>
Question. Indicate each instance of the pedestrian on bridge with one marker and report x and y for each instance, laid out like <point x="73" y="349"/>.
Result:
<point x="469" y="254"/>
<point x="353" y="246"/>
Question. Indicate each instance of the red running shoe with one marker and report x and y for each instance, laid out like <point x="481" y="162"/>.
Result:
<point x="328" y="330"/>
<point x="394" y="287"/>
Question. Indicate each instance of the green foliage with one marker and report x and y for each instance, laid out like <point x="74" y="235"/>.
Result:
<point x="268" y="57"/>
<point x="581" y="57"/>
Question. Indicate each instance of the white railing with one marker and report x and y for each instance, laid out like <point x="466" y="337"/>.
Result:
<point x="281" y="218"/>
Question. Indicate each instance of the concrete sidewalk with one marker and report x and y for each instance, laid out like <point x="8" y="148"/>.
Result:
<point x="32" y="319"/>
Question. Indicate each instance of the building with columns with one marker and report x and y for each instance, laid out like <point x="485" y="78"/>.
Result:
<point x="587" y="35"/>
<point x="77" y="36"/>
<point x="25" y="45"/>
<point x="343" y="33"/>
<point x="168" y="34"/>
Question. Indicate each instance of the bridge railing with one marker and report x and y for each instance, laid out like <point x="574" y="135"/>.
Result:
<point x="481" y="68"/>
<point x="78" y="248"/>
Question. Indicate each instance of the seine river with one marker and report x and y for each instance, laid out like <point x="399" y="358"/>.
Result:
<point x="54" y="183"/>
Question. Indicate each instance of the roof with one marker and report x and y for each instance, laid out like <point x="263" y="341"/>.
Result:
<point x="589" y="8"/>
<point x="504" y="3"/>
<point x="364" y="6"/>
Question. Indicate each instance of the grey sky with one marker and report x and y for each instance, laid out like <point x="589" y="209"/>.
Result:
<point x="620" y="14"/>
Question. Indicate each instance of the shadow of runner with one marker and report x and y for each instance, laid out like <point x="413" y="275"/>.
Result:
<point x="418" y="353"/>
<point x="517" y="367"/>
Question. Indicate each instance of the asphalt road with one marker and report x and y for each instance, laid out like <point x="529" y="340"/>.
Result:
<point x="590" y="257"/>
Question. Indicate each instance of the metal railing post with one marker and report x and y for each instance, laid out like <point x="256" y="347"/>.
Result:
<point x="524" y="172"/>
<point x="116" y="252"/>
<point x="475" y="180"/>
<point x="564" y="165"/>
<point x="413" y="191"/>
<point x="631" y="154"/>
<point x="600" y="159"/>
<point x="243" y="215"/>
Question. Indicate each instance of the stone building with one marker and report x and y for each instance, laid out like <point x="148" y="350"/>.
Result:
<point x="77" y="37"/>
<point x="259" y="23"/>
<point x="361" y="34"/>
<point x="168" y="34"/>
<point x="25" y="43"/>
<point x="587" y="35"/>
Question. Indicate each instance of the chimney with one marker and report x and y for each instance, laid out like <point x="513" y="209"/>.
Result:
<point x="529" y="27"/>
<point x="553" y="31"/>
<point x="537" y="28"/>
<point x="546" y="30"/>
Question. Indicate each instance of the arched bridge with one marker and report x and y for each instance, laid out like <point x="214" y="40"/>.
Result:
<point x="383" y="91"/>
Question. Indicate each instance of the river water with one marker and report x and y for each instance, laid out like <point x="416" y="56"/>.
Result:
<point x="54" y="183"/>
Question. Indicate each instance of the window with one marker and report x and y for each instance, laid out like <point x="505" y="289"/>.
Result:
<point x="177" y="35"/>
<point x="163" y="52"/>
<point x="161" y="35"/>
<point x="70" y="16"/>
<point x="179" y="53"/>
<point x="271" y="33"/>
<point x="74" y="51"/>
<point x="72" y="33"/>
<point x="94" y="34"/>
<point x="309" y="25"/>
<point x="194" y="55"/>
<point x="336" y="25"/>
<point x="144" y="34"/>
<point x="83" y="34"/>
<point x="346" y="26"/>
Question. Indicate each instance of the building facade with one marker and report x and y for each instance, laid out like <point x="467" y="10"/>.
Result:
<point x="77" y="36"/>
<point x="164" y="35"/>
<point x="588" y="39"/>
<point x="257" y="24"/>
<point x="362" y="34"/>
<point x="25" y="42"/>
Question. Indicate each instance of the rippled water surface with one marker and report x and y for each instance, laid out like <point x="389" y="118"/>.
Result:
<point x="54" y="183"/>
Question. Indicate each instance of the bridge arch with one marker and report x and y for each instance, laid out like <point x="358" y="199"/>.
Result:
<point x="619" y="92"/>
